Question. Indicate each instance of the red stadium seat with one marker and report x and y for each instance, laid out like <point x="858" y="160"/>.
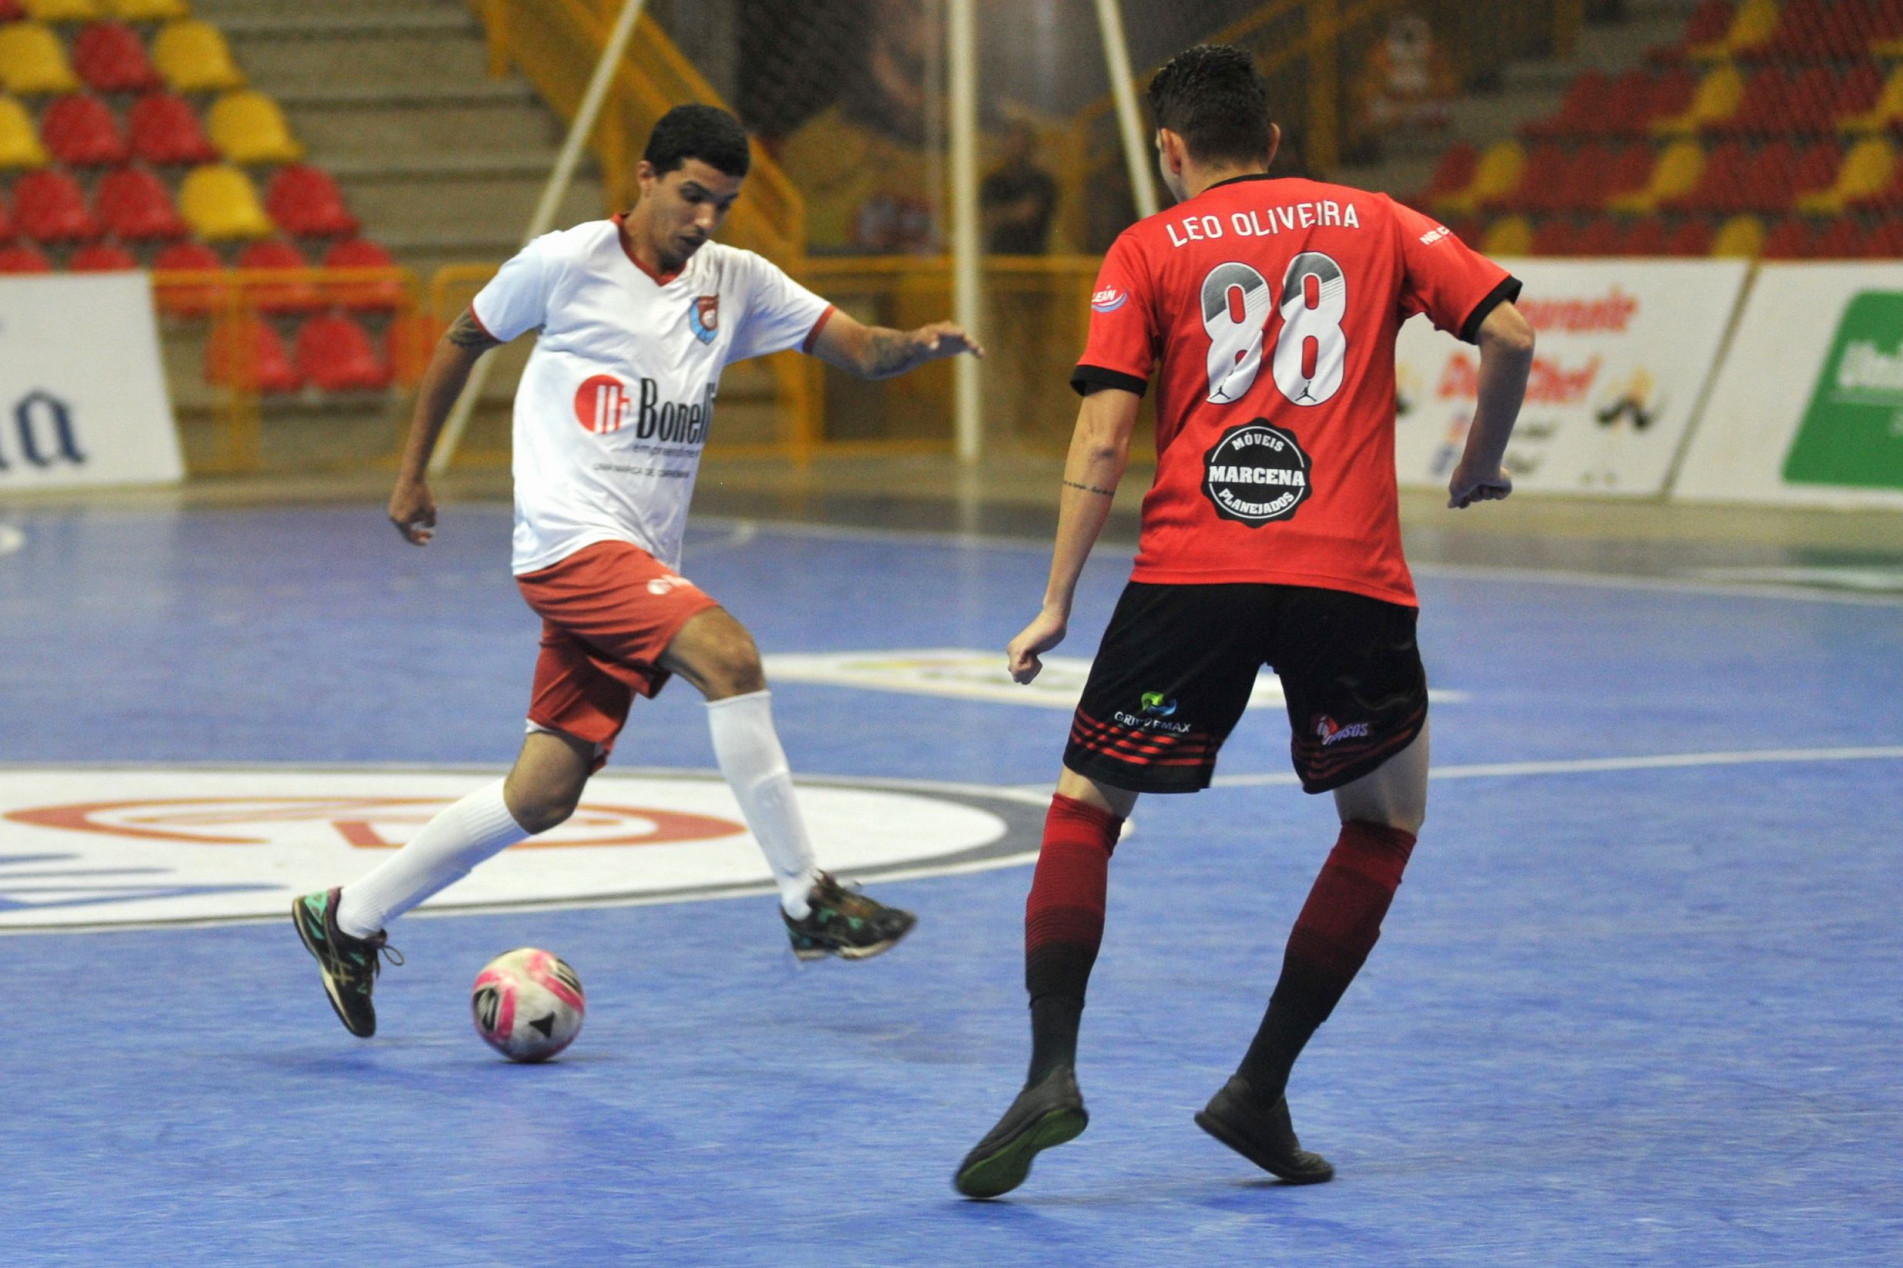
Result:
<point x="1628" y="106"/>
<point x="1884" y="241"/>
<point x="1720" y="182"/>
<point x="1587" y="100"/>
<point x="189" y="301"/>
<point x="1556" y="235"/>
<point x="1789" y="239"/>
<point x="24" y="259"/>
<point x="166" y="131"/>
<point x="102" y="257"/>
<point x="295" y="295"/>
<point x="1645" y="236"/>
<point x="1802" y="30"/>
<point x="111" y="58"/>
<point x="306" y="202"/>
<point x="247" y="353"/>
<point x="1453" y="173"/>
<point x="134" y="207"/>
<point x="1691" y="238"/>
<point x="1600" y="236"/>
<point x="11" y="11"/>
<point x="48" y="206"/>
<point x="6" y="224"/>
<point x="1840" y="239"/>
<point x="364" y="297"/>
<point x="1663" y="97"/>
<point x="1542" y="186"/>
<point x="80" y="131"/>
<point x="335" y="354"/>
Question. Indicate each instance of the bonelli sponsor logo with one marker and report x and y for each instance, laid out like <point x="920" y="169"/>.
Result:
<point x="1852" y="433"/>
<point x="146" y="845"/>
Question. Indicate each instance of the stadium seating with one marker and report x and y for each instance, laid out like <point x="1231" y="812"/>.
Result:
<point x="189" y="301"/>
<point x="220" y="205"/>
<point x="148" y="10"/>
<point x="248" y="127"/>
<point x="102" y="257"/>
<point x="80" y="131"/>
<point x="193" y="57"/>
<point x="1720" y="95"/>
<point x="49" y="206"/>
<point x="22" y="258"/>
<point x="335" y="354"/>
<point x="19" y="144"/>
<point x="1865" y="174"/>
<point x="248" y="353"/>
<point x="383" y="296"/>
<point x="1741" y="237"/>
<point x="165" y="131"/>
<point x="134" y="206"/>
<point x="61" y="10"/>
<point x="293" y="295"/>
<point x="33" y="61"/>
<point x="111" y="58"/>
<point x="307" y="202"/>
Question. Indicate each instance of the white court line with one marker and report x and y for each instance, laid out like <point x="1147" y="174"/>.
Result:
<point x="1458" y="572"/>
<point x="11" y="539"/>
<point x="1589" y="765"/>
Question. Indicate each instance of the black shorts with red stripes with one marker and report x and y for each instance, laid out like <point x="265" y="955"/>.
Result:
<point x="1179" y="662"/>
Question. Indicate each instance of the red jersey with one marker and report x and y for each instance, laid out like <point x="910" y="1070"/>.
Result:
<point x="1273" y="305"/>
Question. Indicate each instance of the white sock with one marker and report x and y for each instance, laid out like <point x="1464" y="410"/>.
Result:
<point x="750" y="757"/>
<point x="475" y="828"/>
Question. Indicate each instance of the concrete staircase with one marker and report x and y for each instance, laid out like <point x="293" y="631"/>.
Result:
<point x="1529" y="90"/>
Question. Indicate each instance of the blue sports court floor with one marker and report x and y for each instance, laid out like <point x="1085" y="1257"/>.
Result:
<point x="1638" y="1001"/>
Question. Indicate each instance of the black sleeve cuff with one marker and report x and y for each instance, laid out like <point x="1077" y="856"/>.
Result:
<point x="1088" y="378"/>
<point x="1505" y="293"/>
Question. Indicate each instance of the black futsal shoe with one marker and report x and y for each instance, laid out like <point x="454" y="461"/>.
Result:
<point x="349" y="965"/>
<point x="1047" y="1113"/>
<point x="1262" y="1134"/>
<point x="845" y="923"/>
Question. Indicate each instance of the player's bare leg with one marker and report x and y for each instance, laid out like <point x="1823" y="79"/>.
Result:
<point x="1063" y="927"/>
<point x="715" y="653"/>
<point x="1380" y="815"/>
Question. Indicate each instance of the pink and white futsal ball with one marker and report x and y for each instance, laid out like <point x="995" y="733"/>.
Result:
<point x="528" y="1005"/>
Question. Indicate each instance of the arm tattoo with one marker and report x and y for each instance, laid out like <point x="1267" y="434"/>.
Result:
<point x="1090" y="488"/>
<point x="465" y="333"/>
<point x="888" y="352"/>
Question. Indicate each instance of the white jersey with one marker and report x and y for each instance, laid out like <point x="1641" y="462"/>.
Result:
<point x="616" y="401"/>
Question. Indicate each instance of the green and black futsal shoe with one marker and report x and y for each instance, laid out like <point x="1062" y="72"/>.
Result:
<point x="845" y="923"/>
<point x="1047" y="1113"/>
<point x="349" y="965"/>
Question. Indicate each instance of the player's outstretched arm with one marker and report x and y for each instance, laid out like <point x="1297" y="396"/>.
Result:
<point x="878" y="352"/>
<point x="412" y="507"/>
<point x="1506" y="358"/>
<point x="1099" y="448"/>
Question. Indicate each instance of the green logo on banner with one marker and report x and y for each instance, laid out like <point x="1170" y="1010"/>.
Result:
<point x="1853" y="430"/>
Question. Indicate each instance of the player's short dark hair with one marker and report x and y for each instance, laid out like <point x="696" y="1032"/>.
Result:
<point x="1213" y="97"/>
<point x="707" y="133"/>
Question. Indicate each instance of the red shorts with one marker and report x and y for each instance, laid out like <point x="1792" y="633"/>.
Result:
<point x="608" y="612"/>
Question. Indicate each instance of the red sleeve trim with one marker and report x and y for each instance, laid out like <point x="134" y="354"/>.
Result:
<point x="479" y="326"/>
<point x="812" y="336"/>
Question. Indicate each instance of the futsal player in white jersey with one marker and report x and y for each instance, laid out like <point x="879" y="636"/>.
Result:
<point x="637" y="316"/>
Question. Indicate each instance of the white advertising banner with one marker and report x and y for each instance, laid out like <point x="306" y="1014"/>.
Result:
<point x="1625" y="348"/>
<point x="82" y="393"/>
<point x="1808" y="406"/>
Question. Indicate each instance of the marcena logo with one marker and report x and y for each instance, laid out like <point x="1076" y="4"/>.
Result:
<point x="1109" y="299"/>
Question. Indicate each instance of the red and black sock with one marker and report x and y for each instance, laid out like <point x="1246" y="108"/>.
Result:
<point x="1063" y="926"/>
<point x="1338" y="927"/>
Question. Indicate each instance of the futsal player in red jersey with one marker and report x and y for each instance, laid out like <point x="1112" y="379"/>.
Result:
<point x="1268" y="310"/>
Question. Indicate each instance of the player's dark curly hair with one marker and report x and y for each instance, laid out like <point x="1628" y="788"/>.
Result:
<point x="707" y="133"/>
<point x="1212" y="97"/>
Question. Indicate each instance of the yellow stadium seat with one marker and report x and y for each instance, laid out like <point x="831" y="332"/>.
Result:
<point x="1719" y="95"/>
<point x="33" y="61"/>
<point x="62" y="10"/>
<point x="1887" y="110"/>
<point x="1512" y="236"/>
<point x="148" y="10"/>
<point x="1741" y="237"/>
<point x="1674" y="175"/>
<point x="1497" y="175"/>
<point x="194" y="57"/>
<point x="248" y="127"/>
<point x="1752" y="26"/>
<point x="19" y="144"/>
<point x="220" y="205"/>
<point x="1865" y="173"/>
